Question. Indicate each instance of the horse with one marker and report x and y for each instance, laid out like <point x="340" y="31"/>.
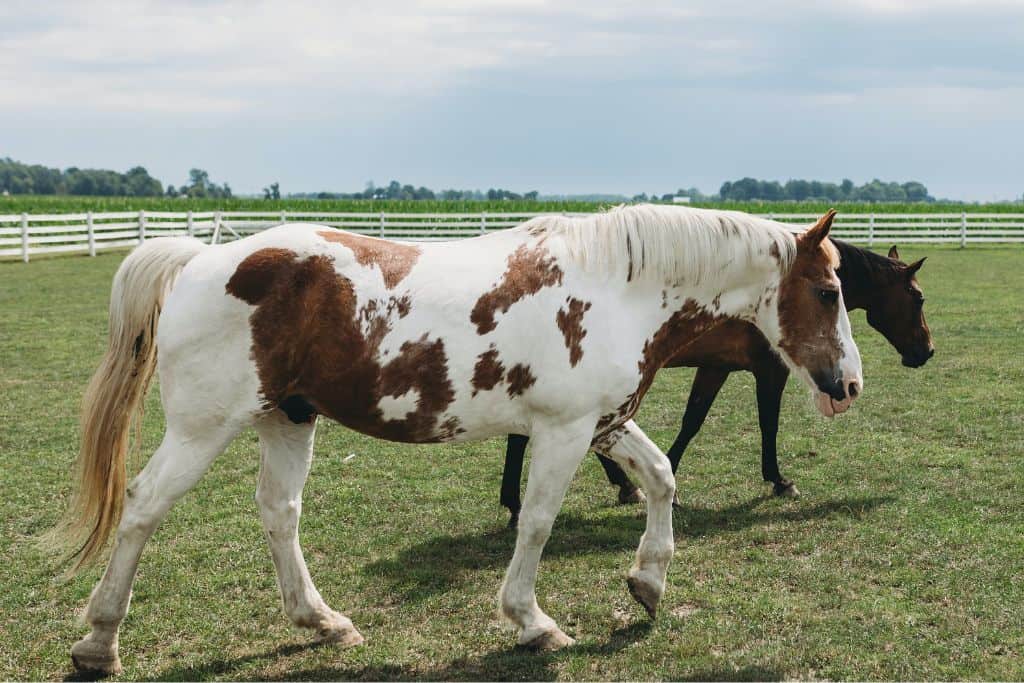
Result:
<point x="553" y="329"/>
<point x="884" y="286"/>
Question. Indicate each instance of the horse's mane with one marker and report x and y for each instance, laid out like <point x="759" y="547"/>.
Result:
<point x="863" y="265"/>
<point x="661" y="243"/>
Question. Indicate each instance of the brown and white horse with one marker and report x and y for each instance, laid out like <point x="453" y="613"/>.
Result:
<point x="554" y="329"/>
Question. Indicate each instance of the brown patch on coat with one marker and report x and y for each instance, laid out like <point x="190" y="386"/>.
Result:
<point x="570" y="322"/>
<point x="685" y="327"/>
<point x="394" y="260"/>
<point x="309" y="340"/>
<point x="519" y="380"/>
<point x="488" y="371"/>
<point x="529" y="270"/>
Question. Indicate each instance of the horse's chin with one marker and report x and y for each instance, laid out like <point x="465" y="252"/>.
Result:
<point x="828" y="406"/>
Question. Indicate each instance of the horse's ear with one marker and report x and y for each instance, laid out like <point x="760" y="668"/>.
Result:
<point x="914" y="267"/>
<point x="894" y="253"/>
<point x="817" y="233"/>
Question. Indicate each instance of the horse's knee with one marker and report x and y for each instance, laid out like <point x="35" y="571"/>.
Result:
<point x="535" y="529"/>
<point x="662" y="483"/>
<point x="278" y="513"/>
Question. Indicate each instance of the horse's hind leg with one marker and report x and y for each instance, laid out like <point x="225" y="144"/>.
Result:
<point x="633" y="450"/>
<point x="176" y="467"/>
<point x="286" y="451"/>
<point x="557" y="452"/>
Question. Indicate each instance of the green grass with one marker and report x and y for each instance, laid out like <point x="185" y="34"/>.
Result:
<point x="904" y="558"/>
<point x="66" y="204"/>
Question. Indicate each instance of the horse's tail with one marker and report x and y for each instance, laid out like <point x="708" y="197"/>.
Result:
<point x="113" y="404"/>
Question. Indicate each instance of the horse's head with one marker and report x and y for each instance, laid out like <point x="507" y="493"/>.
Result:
<point x="897" y="311"/>
<point x="807" y="322"/>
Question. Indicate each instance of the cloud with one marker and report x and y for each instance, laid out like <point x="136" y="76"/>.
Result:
<point x="209" y="57"/>
<point x="471" y="92"/>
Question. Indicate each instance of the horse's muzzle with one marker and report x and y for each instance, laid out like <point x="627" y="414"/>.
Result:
<point x="915" y="359"/>
<point x="835" y="395"/>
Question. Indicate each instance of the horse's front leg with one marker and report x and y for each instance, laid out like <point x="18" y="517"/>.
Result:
<point x="631" y="448"/>
<point x="557" y="452"/>
<point x="771" y="376"/>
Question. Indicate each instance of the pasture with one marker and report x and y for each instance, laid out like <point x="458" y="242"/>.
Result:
<point x="904" y="557"/>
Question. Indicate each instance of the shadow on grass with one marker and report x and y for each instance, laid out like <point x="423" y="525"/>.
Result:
<point x="511" y="663"/>
<point x="438" y="564"/>
<point x="221" y="667"/>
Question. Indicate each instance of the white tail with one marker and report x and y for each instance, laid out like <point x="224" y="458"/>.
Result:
<point x="113" y="402"/>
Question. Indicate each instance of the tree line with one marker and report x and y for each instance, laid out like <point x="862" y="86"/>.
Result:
<point x="20" y="178"/>
<point x="810" y="190"/>
<point x="396" y="190"/>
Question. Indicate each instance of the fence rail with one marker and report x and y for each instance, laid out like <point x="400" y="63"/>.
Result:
<point x="25" y="235"/>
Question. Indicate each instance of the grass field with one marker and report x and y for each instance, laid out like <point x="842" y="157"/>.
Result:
<point x="904" y="558"/>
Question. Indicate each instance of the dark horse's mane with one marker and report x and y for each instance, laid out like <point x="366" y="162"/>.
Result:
<point x="862" y="266"/>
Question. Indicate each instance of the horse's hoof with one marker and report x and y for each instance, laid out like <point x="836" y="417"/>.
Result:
<point x="553" y="639"/>
<point x="513" y="521"/>
<point x="345" y="637"/>
<point x="645" y="594"/>
<point x="785" y="489"/>
<point x="88" y="656"/>
<point x="634" y="495"/>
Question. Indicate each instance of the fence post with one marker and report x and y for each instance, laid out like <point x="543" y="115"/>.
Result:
<point x="190" y="227"/>
<point x="24" y="237"/>
<point x="215" y="238"/>
<point x="284" y="216"/>
<point x="963" y="229"/>
<point x="91" y="233"/>
<point x="483" y="222"/>
<point x="382" y="224"/>
<point x="142" y="226"/>
<point x="871" y="230"/>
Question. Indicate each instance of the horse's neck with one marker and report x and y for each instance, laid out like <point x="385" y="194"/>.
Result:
<point x="859" y="275"/>
<point x="690" y="314"/>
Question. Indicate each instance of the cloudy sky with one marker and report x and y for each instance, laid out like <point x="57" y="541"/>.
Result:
<point x="566" y="96"/>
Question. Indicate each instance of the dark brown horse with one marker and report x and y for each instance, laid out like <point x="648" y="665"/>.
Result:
<point x="885" y="287"/>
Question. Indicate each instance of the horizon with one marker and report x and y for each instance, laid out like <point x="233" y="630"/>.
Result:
<point x="567" y="99"/>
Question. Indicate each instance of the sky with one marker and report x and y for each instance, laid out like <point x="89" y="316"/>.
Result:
<point x="569" y="96"/>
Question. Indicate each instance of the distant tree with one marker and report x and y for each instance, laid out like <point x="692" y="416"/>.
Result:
<point x="273" y="191"/>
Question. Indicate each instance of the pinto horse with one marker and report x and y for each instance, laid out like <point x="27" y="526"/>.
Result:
<point x="553" y="329"/>
<point x="884" y="286"/>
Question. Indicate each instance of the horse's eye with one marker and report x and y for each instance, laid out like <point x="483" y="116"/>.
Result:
<point x="828" y="296"/>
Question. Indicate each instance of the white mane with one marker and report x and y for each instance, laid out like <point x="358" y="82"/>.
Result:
<point x="656" y="242"/>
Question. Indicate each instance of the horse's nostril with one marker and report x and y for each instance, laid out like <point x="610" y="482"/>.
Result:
<point x="852" y="390"/>
<point x="931" y="352"/>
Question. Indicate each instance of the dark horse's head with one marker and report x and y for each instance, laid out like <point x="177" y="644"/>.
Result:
<point x="896" y="309"/>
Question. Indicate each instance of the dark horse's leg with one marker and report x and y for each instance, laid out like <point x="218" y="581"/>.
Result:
<point x="703" y="393"/>
<point x="771" y="376"/>
<point x="628" y="491"/>
<point x="705" y="389"/>
<point x="512" y="476"/>
<point x="706" y="385"/>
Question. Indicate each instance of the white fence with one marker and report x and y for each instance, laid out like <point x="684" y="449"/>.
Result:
<point x="24" y="235"/>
